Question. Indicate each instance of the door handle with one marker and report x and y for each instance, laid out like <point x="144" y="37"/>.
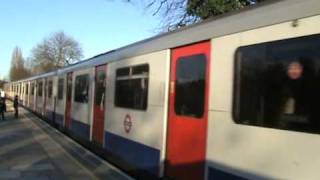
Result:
<point x="172" y="83"/>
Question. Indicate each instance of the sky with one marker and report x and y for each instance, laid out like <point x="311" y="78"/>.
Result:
<point x="98" y="25"/>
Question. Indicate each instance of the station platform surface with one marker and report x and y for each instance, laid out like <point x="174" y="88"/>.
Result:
<point x="32" y="149"/>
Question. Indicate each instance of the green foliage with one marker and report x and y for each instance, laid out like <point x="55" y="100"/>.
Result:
<point x="179" y="13"/>
<point x="210" y="8"/>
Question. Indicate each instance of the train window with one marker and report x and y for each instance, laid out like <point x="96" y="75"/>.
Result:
<point x="81" y="93"/>
<point x="190" y="79"/>
<point x="32" y="89"/>
<point x="100" y="88"/>
<point x="40" y="87"/>
<point x="132" y="89"/>
<point x="60" y="89"/>
<point x="27" y="89"/>
<point x="50" y="89"/>
<point x="69" y="87"/>
<point x="277" y="84"/>
<point x="123" y="72"/>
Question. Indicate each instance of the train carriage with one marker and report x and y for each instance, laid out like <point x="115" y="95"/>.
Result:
<point x="232" y="97"/>
<point x="60" y="99"/>
<point x="136" y="109"/>
<point x="81" y="103"/>
<point x="40" y="95"/>
<point x="50" y="98"/>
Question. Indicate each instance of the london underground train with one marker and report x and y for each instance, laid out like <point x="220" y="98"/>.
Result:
<point x="235" y="97"/>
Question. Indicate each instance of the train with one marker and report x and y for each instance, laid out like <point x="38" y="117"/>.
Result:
<point x="233" y="97"/>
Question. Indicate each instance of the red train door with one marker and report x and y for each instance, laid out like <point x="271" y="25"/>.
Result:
<point x="188" y="111"/>
<point x="68" y="101"/>
<point x="99" y="104"/>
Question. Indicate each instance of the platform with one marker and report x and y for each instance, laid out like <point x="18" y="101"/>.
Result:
<point x="31" y="149"/>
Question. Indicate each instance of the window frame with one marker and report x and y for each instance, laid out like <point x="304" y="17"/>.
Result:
<point x="32" y="89"/>
<point x="184" y="58"/>
<point x="50" y="88"/>
<point x="38" y="89"/>
<point x="58" y="89"/>
<point x="74" y="99"/>
<point x="27" y="89"/>
<point x="236" y="87"/>
<point x="129" y="77"/>
<point x="96" y="90"/>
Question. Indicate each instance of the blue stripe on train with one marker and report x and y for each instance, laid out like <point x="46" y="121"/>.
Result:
<point x="59" y="119"/>
<point x="135" y="154"/>
<point x="49" y="115"/>
<point x="219" y="174"/>
<point x="80" y="129"/>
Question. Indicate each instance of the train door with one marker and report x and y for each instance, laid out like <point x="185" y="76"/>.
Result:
<point x="44" y="109"/>
<point x="68" y="101"/>
<point x="99" y="104"/>
<point x="188" y="112"/>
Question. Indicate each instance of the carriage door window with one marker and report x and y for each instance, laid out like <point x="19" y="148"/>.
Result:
<point x="50" y="89"/>
<point x="32" y="89"/>
<point x="81" y="93"/>
<point x="27" y="89"/>
<point x="60" y="89"/>
<point x="100" y="88"/>
<point x="40" y="89"/>
<point x="277" y="84"/>
<point x="189" y="86"/>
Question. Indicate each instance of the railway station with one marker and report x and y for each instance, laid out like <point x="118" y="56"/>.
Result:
<point x="235" y="96"/>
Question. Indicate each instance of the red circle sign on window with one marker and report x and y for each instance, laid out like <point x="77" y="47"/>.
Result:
<point x="127" y="123"/>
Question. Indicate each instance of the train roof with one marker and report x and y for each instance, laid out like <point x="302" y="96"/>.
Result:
<point x="263" y="14"/>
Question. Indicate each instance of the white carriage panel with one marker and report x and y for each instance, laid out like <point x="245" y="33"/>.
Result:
<point x="82" y="111"/>
<point x="221" y="72"/>
<point x="147" y="125"/>
<point x="165" y="112"/>
<point x="92" y="86"/>
<point x="223" y="51"/>
<point x="259" y="151"/>
<point x="304" y="27"/>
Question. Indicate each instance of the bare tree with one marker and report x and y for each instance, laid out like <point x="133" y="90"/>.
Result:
<point x="18" y="70"/>
<point x="54" y="52"/>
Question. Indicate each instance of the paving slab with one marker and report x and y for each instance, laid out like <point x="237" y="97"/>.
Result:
<point x="32" y="149"/>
